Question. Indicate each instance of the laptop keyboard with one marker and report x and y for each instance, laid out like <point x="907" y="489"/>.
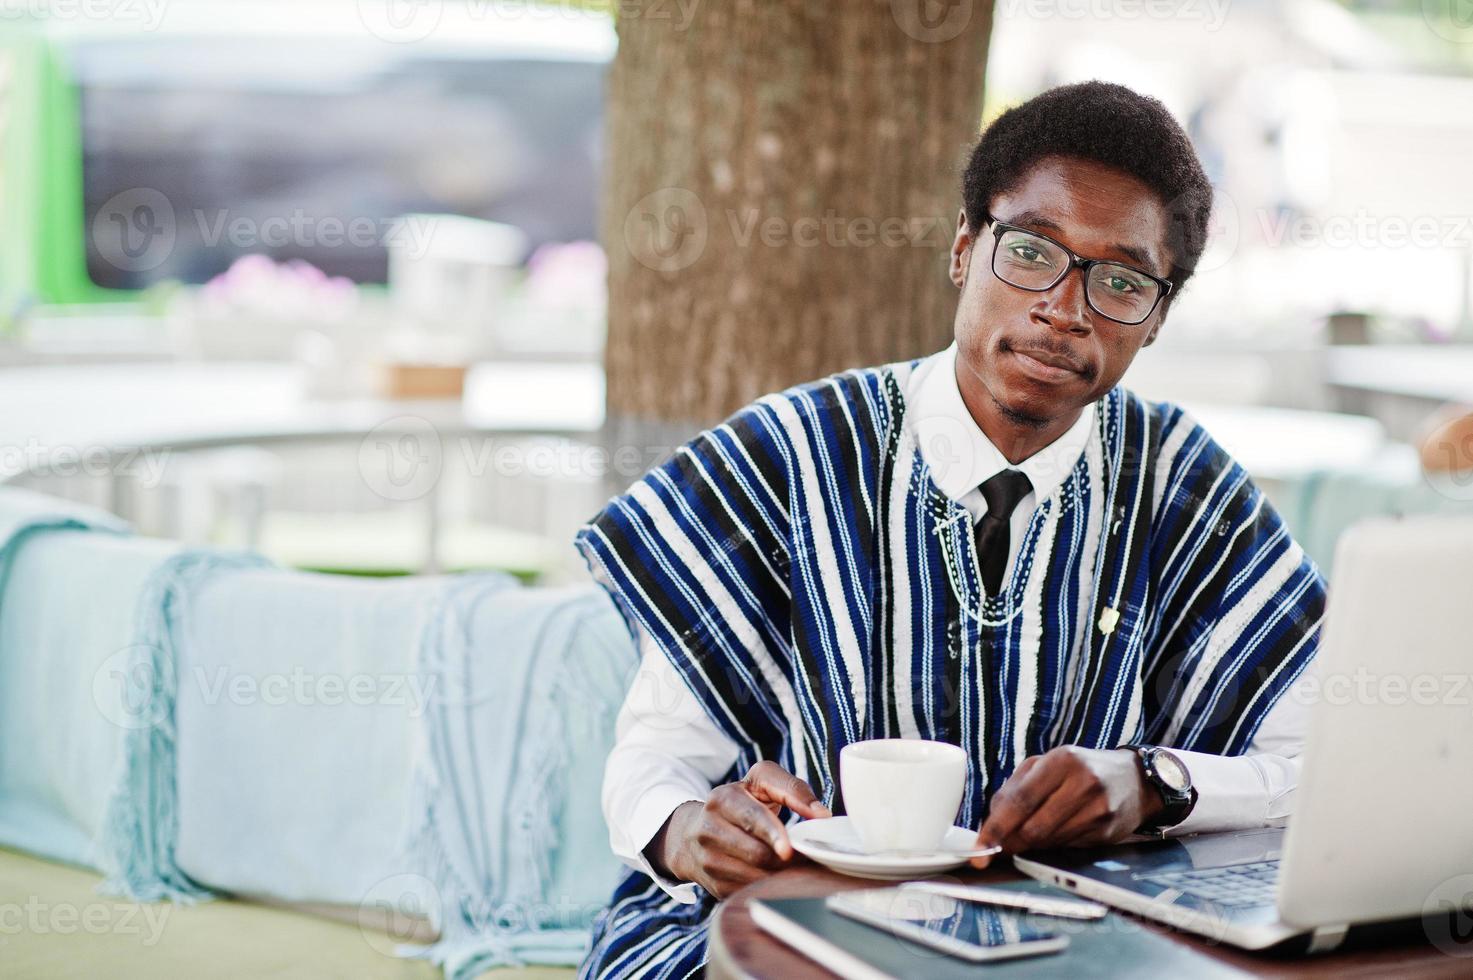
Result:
<point x="1237" y="885"/>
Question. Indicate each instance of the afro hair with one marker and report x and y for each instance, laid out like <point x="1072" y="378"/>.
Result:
<point x="1108" y="124"/>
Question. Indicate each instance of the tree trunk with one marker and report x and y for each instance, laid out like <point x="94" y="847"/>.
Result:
<point x="781" y="196"/>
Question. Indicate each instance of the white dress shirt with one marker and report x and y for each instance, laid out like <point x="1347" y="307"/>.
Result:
<point x="667" y="750"/>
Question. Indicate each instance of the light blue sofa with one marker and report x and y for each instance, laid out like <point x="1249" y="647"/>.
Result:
<point x="421" y="756"/>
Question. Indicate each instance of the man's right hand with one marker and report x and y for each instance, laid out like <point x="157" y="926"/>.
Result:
<point x="734" y="837"/>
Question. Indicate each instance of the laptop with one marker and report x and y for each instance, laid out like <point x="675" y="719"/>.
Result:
<point x="1381" y="841"/>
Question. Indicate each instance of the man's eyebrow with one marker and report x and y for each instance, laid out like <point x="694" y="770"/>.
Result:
<point x="1037" y="219"/>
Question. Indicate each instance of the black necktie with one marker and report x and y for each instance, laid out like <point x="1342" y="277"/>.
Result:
<point x="1002" y="493"/>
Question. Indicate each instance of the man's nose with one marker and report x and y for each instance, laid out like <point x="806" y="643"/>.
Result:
<point x="1063" y="306"/>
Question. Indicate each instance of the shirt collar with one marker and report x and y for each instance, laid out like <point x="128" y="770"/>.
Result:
<point x="959" y="453"/>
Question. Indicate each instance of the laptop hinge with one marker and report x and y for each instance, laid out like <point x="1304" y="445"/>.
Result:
<point x="1326" y="938"/>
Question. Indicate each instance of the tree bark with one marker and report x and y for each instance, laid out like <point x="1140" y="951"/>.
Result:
<point x="782" y="190"/>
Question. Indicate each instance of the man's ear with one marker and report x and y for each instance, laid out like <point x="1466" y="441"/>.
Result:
<point x="961" y="250"/>
<point x="1155" y="329"/>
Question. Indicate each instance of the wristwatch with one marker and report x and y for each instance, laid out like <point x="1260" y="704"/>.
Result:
<point x="1168" y="774"/>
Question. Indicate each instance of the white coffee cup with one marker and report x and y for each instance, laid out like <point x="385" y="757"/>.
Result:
<point x="902" y="793"/>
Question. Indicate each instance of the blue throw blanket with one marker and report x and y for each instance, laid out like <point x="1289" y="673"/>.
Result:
<point x="515" y="846"/>
<point x="23" y="513"/>
<point x="34" y="815"/>
<point x="142" y="822"/>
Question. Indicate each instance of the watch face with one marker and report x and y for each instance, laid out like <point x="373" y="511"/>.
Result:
<point x="1171" y="771"/>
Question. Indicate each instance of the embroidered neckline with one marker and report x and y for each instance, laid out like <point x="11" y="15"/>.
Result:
<point x="999" y="609"/>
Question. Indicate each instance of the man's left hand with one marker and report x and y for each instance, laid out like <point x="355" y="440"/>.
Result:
<point x="1068" y="797"/>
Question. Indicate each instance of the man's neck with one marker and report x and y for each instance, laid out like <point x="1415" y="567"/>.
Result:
<point x="1016" y="439"/>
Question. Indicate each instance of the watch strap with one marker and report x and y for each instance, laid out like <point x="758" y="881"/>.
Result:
<point x="1176" y="806"/>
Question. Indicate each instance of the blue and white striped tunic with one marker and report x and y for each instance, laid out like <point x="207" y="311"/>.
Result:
<point x="814" y="587"/>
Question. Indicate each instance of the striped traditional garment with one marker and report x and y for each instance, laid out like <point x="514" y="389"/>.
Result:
<point x="814" y="587"/>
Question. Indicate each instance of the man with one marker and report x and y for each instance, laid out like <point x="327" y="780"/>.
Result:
<point x="994" y="546"/>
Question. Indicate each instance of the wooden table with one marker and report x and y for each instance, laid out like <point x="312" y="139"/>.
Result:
<point x="739" y="950"/>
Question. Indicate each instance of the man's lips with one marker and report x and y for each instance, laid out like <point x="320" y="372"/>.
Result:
<point x="1052" y="360"/>
<point x="1044" y="365"/>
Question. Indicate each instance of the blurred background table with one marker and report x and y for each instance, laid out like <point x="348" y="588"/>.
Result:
<point x="244" y="454"/>
<point x="189" y="405"/>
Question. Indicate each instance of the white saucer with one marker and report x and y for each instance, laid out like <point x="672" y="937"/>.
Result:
<point x="834" y="843"/>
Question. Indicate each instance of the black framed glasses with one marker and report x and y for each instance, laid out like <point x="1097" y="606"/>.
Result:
<point x="1037" y="263"/>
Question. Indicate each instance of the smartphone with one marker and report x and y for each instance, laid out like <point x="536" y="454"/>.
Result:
<point x="966" y="930"/>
